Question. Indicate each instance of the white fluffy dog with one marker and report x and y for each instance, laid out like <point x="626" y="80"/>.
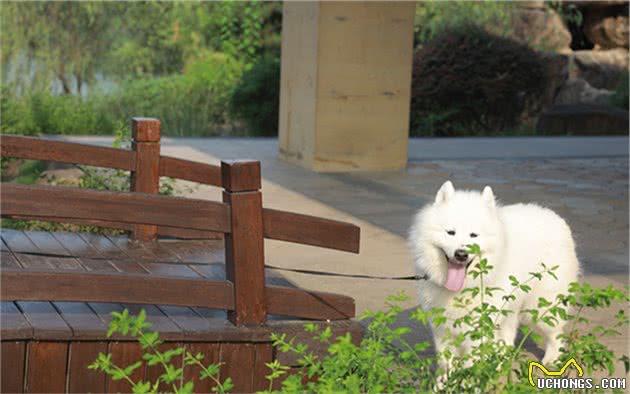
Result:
<point x="515" y="239"/>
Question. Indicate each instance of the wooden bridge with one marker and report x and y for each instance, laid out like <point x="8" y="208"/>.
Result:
<point x="197" y="268"/>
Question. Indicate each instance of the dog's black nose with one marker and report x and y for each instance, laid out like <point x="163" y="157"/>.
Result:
<point x="461" y="255"/>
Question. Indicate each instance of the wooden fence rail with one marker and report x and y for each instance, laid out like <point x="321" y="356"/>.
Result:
<point x="146" y="214"/>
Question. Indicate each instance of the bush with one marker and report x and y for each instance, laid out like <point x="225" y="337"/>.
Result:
<point x="385" y="362"/>
<point x="195" y="103"/>
<point x="620" y="98"/>
<point x="256" y="99"/>
<point x="469" y="81"/>
<point x="191" y="104"/>
<point x="43" y="113"/>
<point x="434" y="17"/>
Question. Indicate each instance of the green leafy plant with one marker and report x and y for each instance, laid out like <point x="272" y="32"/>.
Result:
<point x="256" y="99"/>
<point x="385" y="361"/>
<point x="172" y="374"/>
<point x="620" y="98"/>
<point x="433" y="17"/>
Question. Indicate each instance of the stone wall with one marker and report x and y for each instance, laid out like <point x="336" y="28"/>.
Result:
<point x="587" y="59"/>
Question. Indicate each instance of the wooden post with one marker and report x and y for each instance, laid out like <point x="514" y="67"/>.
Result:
<point x="145" y="178"/>
<point x="244" y="246"/>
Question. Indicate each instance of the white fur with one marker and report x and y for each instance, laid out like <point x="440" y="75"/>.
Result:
<point x="514" y="238"/>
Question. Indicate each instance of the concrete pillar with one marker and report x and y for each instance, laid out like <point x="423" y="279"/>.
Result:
<point x="345" y="84"/>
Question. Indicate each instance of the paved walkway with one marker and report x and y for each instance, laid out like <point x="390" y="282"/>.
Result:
<point x="584" y="179"/>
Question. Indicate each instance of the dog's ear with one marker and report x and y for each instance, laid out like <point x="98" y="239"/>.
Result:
<point x="488" y="196"/>
<point x="445" y="193"/>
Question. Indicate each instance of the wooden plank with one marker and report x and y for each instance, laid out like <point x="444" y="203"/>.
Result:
<point x="190" y="170"/>
<point x="66" y="152"/>
<point x="191" y="324"/>
<point x="238" y="359"/>
<point x="76" y="245"/>
<point x="75" y="203"/>
<point x="175" y="232"/>
<point x="196" y="252"/>
<point x="12" y="323"/>
<point x="161" y="252"/>
<point x="186" y="233"/>
<point x="3" y="246"/>
<point x="7" y="260"/>
<point x="12" y="366"/>
<point x="35" y="262"/>
<point x="105" y="247"/>
<point x="264" y="355"/>
<point x="18" y="242"/>
<point x="214" y="271"/>
<point x="308" y="304"/>
<point x="123" y="355"/>
<point x="44" y="318"/>
<point x="98" y="265"/>
<point x="167" y="269"/>
<point x="46" y="242"/>
<point x="80" y="378"/>
<point x="244" y="246"/>
<point x="311" y="230"/>
<point x="85" y="324"/>
<point x="135" y="251"/>
<point x="47" y="366"/>
<point x="114" y="287"/>
<point x="211" y="355"/>
<point x="144" y="177"/>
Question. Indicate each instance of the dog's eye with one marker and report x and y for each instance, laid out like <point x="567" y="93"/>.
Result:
<point x="473" y="235"/>
<point x="450" y="232"/>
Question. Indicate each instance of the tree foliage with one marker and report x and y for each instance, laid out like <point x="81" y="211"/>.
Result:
<point x="74" y="43"/>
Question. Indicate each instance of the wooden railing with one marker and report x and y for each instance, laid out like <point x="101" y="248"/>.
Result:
<point x="146" y="214"/>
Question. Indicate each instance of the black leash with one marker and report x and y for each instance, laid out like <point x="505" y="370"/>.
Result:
<point x="323" y="273"/>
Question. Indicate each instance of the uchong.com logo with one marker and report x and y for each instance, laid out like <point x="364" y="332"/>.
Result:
<point x="554" y="379"/>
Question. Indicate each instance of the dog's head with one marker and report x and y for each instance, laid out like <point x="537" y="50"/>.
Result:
<point x="442" y="231"/>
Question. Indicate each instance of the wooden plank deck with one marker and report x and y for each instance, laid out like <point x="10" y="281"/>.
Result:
<point x="47" y="345"/>
<point x="30" y="250"/>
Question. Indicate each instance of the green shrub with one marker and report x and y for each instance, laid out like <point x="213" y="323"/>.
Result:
<point x="256" y="99"/>
<point x="620" y="98"/>
<point x="385" y="361"/>
<point x="194" y="103"/>
<point x="434" y="17"/>
<point x="469" y="81"/>
<point x="172" y="374"/>
<point x="43" y="113"/>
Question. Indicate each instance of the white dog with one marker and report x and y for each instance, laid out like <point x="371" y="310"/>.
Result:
<point x="515" y="239"/>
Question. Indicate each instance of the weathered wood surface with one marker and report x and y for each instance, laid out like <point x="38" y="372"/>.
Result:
<point x="137" y="273"/>
<point x="206" y="174"/>
<point x="75" y="203"/>
<point x="244" y="245"/>
<point x="311" y="230"/>
<point x="145" y="177"/>
<point x="66" y="152"/>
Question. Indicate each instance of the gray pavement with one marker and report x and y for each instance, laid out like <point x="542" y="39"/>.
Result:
<point x="584" y="179"/>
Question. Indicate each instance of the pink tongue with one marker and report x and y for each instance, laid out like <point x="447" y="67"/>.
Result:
<point x="455" y="276"/>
